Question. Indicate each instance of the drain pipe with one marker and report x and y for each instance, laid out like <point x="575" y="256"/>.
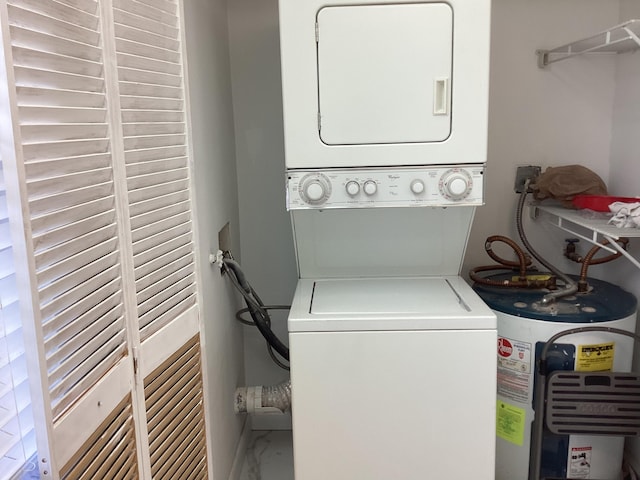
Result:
<point x="262" y="400"/>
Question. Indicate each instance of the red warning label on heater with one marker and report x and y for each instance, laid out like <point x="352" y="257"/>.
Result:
<point x="514" y="369"/>
<point x="580" y="462"/>
<point x="505" y="349"/>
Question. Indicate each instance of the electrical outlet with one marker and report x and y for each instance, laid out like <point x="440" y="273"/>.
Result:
<point x="525" y="173"/>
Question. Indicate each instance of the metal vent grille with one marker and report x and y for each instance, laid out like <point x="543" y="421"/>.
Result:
<point x="175" y="414"/>
<point x="602" y="403"/>
<point x="110" y="453"/>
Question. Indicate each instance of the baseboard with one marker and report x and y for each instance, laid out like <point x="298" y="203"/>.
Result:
<point x="632" y="453"/>
<point x="241" y="450"/>
<point x="272" y="422"/>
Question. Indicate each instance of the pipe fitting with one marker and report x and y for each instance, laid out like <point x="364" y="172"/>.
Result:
<point x="264" y="400"/>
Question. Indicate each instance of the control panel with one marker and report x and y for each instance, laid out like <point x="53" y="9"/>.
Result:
<point x="380" y="187"/>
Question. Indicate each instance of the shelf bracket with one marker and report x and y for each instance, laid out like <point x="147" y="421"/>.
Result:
<point x="632" y="35"/>
<point x="543" y="58"/>
<point x="619" y="248"/>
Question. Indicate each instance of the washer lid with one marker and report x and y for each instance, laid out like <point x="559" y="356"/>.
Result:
<point x="395" y="296"/>
<point x="361" y="304"/>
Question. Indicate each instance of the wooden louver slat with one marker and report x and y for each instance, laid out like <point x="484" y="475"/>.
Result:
<point x="30" y="39"/>
<point x="31" y="77"/>
<point x="168" y="6"/>
<point x="51" y="25"/>
<point x="143" y="30"/>
<point x="156" y="153"/>
<point x="42" y="169"/>
<point x="155" y="215"/>
<point x="52" y="115"/>
<point x="175" y="413"/>
<point x="86" y="18"/>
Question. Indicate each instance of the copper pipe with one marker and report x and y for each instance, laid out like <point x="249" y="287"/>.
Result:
<point x="588" y="260"/>
<point x="523" y="259"/>
<point x="520" y="283"/>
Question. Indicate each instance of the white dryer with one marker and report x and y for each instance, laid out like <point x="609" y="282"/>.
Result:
<point x="380" y="83"/>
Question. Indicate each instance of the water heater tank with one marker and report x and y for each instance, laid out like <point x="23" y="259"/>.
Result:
<point x="524" y="325"/>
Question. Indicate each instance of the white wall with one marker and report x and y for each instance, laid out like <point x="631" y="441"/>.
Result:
<point x="216" y="202"/>
<point x="559" y="115"/>
<point x="266" y="253"/>
<point x="625" y="167"/>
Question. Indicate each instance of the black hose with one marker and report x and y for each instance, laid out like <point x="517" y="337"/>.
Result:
<point x="276" y="360"/>
<point x="239" y="274"/>
<point x="255" y="307"/>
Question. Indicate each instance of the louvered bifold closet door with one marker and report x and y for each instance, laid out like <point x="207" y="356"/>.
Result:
<point x="152" y="101"/>
<point x="63" y="178"/>
<point x="148" y="49"/>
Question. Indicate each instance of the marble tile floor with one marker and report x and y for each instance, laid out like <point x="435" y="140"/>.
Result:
<point x="269" y="456"/>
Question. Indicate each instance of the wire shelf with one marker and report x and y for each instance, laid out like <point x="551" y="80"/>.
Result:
<point x="591" y="226"/>
<point x="619" y="39"/>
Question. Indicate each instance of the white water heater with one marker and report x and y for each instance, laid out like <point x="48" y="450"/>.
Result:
<point x="523" y="328"/>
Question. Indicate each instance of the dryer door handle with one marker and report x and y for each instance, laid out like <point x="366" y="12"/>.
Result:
<point x="441" y="96"/>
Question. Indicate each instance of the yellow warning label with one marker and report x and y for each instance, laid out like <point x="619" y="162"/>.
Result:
<point x="537" y="277"/>
<point x="510" y="422"/>
<point x="595" y="358"/>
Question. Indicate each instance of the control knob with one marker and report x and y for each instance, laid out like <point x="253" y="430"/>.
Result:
<point x="353" y="188"/>
<point x="455" y="184"/>
<point x="314" y="188"/>
<point x="370" y="187"/>
<point x="417" y="187"/>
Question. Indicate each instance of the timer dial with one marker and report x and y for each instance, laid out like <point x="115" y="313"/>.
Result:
<point x="314" y="188"/>
<point x="456" y="184"/>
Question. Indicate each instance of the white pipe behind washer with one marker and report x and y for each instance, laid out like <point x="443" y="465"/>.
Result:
<point x="264" y="400"/>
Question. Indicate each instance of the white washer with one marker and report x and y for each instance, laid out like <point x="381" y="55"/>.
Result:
<point x="393" y="378"/>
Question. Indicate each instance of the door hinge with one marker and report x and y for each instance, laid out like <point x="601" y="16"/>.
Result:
<point x="317" y="33"/>
<point x="134" y="353"/>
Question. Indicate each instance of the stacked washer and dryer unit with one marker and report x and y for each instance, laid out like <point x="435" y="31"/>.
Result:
<point x="393" y="356"/>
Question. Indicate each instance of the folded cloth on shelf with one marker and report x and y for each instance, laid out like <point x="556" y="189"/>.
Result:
<point x="625" y="214"/>
<point x="565" y="182"/>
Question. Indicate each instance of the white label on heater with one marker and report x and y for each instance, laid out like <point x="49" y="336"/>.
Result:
<point x="580" y="462"/>
<point x="514" y="369"/>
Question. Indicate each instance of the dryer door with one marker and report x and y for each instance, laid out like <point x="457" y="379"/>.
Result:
<point x="385" y="73"/>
